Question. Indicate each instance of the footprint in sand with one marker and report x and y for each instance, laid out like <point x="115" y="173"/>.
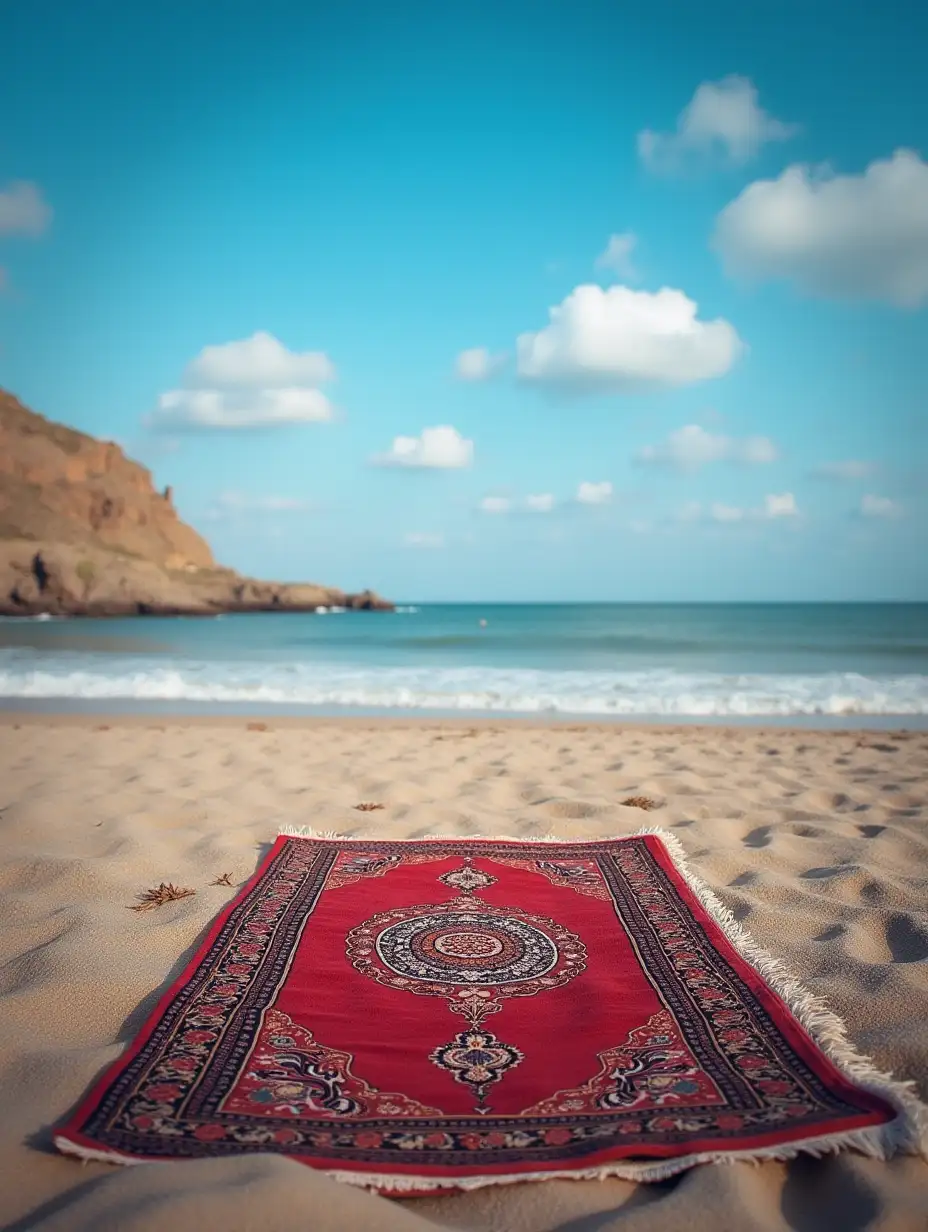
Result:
<point x="872" y="892"/>
<point x="829" y="870"/>
<point x="808" y="832"/>
<point x="907" y="940"/>
<point x="759" y="837"/>
<point x="871" y="831"/>
<point x="832" y="933"/>
<point x="900" y="939"/>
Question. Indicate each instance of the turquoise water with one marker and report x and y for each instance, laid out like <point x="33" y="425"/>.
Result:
<point x="704" y="661"/>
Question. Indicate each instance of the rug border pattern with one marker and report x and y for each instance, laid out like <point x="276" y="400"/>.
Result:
<point x="908" y="1130"/>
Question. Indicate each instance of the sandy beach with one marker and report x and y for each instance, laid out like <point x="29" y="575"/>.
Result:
<point x="817" y="840"/>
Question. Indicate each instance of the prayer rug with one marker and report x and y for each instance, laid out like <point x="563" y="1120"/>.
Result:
<point x="450" y="1013"/>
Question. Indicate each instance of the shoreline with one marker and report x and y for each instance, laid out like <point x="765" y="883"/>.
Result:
<point x="57" y="710"/>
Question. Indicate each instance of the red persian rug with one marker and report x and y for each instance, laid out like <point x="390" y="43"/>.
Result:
<point x="449" y="1013"/>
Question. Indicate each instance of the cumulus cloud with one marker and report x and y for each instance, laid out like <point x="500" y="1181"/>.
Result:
<point x="623" y="340"/>
<point x="440" y="448"/>
<point x="776" y="505"/>
<point x="23" y="209"/>
<point x="849" y="469"/>
<point x="837" y="236"/>
<point x="423" y="539"/>
<point x="780" y="506"/>
<point x="253" y="383"/>
<point x="495" y="504"/>
<point x="477" y="364"/>
<point x="542" y="503"/>
<point x="723" y="117"/>
<point x="692" y="447"/>
<point x="258" y="362"/>
<point x="594" y="493"/>
<point x="872" y="506"/>
<point x="617" y="256"/>
<point x="191" y="410"/>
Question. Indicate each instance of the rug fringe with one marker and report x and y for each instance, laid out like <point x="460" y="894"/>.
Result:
<point x="907" y="1133"/>
<point x="625" y="1170"/>
<point x="861" y="1140"/>
<point x="92" y="1154"/>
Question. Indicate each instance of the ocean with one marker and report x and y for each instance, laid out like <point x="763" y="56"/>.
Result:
<point x="827" y="663"/>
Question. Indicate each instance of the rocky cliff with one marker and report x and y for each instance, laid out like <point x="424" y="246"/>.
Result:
<point x="84" y="532"/>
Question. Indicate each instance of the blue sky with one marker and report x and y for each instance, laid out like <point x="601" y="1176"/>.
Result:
<point x="251" y="243"/>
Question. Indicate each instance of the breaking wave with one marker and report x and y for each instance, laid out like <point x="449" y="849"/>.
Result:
<point x="659" y="692"/>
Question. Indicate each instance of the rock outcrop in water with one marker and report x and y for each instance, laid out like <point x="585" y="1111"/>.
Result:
<point x="83" y="532"/>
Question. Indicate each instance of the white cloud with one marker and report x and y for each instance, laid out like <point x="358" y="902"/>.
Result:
<point x="477" y="364"/>
<point x="725" y="513"/>
<point x="495" y="504"/>
<point x="872" y="506"/>
<point x="622" y="340"/>
<point x="780" y="506"/>
<point x="617" y="256"/>
<point x="232" y="503"/>
<point x="692" y="446"/>
<point x="258" y="362"/>
<point x="722" y="116"/>
<point x="755" y="451"/>
<point x="422" y="539"/>
<point x="849" y="469"/>
<point x="838" y="236"/>
<point x="270" y="504"/>
<point x="252" y="383"/>
<point x="594" y="493"/>
<point x="542" y="503"/>
<point x="189" y="410"/>
<point x="23" y="209"/>
<point x="440" y="448"/>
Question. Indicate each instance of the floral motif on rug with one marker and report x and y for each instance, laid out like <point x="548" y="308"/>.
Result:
<point x="458" y="1012"/>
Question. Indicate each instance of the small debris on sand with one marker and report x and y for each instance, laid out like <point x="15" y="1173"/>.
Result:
<point x="642" y="802"/>
<point x="167" y="892"/>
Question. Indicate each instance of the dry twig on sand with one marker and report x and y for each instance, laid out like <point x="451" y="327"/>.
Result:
<point x="223" y="879"/>
<point x="367" y="807"/>
<point x="167" y="892"/>
<point x="642" y="802"/>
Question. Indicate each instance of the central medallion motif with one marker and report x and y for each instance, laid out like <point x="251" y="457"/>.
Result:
<point x="473" y="954"/>
<point x="467" y="947"/>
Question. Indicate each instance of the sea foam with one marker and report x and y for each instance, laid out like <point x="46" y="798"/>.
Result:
<point x="661" y="692"/>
